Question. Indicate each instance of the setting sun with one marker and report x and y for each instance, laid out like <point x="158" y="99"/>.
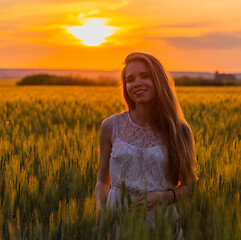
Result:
<point x="93" y="32"/>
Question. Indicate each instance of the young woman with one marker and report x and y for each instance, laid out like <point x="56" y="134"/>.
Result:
<point x="150" y="147"/>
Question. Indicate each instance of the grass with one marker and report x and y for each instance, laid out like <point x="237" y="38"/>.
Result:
<point x="49" y="148"/>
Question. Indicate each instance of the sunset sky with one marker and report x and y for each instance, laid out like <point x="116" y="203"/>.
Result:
<point x="185" y="35"/>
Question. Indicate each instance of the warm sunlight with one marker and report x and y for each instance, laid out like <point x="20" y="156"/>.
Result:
<point x="93" y="32"/>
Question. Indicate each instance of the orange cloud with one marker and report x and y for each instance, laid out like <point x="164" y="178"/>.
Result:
<point x="208" y="41"/>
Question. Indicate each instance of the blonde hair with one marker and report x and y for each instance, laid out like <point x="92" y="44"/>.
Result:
<point x="167" y="117"/>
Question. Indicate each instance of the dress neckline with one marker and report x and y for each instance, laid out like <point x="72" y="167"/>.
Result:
<point x="129" y="117"/>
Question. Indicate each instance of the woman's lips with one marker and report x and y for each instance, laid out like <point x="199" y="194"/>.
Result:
<point x="140" y="91"/>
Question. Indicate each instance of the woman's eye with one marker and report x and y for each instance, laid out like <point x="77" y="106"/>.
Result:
<point x="145" y="76"/>
<point x="129" y="79"/>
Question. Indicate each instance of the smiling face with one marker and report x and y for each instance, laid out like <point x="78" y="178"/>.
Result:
<point x="139" y="84"/>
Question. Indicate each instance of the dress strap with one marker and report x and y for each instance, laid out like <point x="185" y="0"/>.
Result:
<point x="115" y="127"/>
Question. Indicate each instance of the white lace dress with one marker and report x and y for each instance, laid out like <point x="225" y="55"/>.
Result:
<point x="138" y="158"/>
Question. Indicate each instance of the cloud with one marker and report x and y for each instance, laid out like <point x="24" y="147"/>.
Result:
<point x="4" y="26"/>
<point x="2" y="43"/>
<point x="182" y="25"/>
<point x="48" y="9"/>
<point x="118" y="5"/>
<point x="108" y="3"/>
<point x="7" y="4"/>
<point x="207" y="41"/>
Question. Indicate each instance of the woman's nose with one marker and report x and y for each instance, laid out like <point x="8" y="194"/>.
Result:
<point x="138" y="81"/>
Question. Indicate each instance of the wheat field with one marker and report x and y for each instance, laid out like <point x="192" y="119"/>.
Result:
<point x="49" y="148"/>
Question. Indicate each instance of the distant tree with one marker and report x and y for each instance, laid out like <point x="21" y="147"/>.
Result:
<point x="224" y="76"/>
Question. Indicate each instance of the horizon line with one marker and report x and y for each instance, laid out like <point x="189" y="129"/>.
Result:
<point x="66" y="69"/>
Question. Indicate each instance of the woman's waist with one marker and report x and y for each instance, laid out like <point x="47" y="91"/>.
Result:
<point x="127" y="195"/>
<point x="127" y="189"/>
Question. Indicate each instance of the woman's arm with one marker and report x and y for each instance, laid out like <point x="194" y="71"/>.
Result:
<point x="177" y="193"/>
<point x="180" y="191"/>
<point x="103" y="181"/>
<point x="169" y="196"/>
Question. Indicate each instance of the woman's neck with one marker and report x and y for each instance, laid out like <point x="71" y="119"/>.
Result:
<point x="141" y="116"/>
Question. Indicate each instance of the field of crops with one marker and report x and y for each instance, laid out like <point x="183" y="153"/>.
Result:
<point x="49" y="147"/>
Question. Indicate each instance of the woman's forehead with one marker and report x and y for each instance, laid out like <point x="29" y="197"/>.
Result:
<point x="136" y="67"/>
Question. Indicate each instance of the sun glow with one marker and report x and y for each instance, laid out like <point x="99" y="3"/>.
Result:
<point x="93" y="32"/>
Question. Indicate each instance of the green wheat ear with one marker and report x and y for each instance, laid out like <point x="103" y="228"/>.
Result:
<point x="123" y="193"/>
<point x="128" y="199"/>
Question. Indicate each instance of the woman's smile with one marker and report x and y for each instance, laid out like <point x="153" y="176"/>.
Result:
<point x="139" y="92"/>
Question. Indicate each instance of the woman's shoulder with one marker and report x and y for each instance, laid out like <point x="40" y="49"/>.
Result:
<point x="120" y="114"/>
<point x="107" y="124"/>
<point x="109" y="121"/>
<point x="106" y="130"/>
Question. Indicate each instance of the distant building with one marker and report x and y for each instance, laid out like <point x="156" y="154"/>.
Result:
<point x="224" y="76"/>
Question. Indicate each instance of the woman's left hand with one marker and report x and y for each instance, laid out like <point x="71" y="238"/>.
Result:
<point x="153" y="198"/>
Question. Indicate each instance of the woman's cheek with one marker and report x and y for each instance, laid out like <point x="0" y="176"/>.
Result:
<point x="128" y="89"/>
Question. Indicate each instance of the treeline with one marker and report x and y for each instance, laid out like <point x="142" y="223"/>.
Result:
<point x="187" y="81"/>
<point x="46" y="79"/>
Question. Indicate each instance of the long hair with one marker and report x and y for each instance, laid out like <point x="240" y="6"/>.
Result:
<point x="168" y="118"/>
